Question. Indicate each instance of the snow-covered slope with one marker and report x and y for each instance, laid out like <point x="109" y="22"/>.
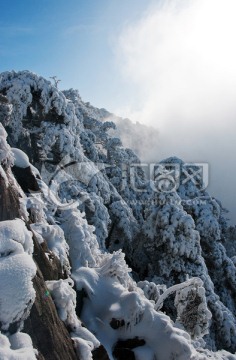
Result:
<point x="128" y="267"/>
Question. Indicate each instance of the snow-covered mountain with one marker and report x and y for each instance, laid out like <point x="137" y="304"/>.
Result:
<point x="97" y="260"/>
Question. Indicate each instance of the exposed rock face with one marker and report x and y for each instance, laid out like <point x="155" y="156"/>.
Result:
<point x="25" y="178"/>
<point x="9" y="200"/>
<point x="123" y="349"/>
<point x="163" y="240"/>
<point x="100" y="354"/>
<point x="9" y="194"/>
<point x="47" y="331"/>
<point x="50" y="269"/>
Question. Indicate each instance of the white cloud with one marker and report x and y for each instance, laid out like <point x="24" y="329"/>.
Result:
<point x="181" y="59"/>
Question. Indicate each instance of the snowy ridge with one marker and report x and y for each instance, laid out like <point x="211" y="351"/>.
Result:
<point x="101" y="218"/>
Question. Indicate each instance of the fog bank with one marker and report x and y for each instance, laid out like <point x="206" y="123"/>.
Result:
<point x="180" y="60"/>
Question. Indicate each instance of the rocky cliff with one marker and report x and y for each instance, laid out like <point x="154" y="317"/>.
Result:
<point x="115" y="265"/>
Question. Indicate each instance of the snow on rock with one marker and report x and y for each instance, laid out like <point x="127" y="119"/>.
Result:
<point x="19" y="92"/>
<point x="6" y="156"/>
<point x="114" y="266"/>
<point x="17" y="270"/>
<point x="20" y="158"/>
<point x="101" y="206"/>
<point x="5" y="110"/>
<point x="16" y="289"/>
<point x="218" y="355"/>
<point x="17" y="347"/>
<point x="36" y="206"/>
<point x="83" y="245"/>
<point x="124" y="314"/>
<point x="65" y="300"/>
<point x="54" y="237"/>
<point x="143" y="353"/>
<point x="64" y="297"/>
<point x="15" y="231"/>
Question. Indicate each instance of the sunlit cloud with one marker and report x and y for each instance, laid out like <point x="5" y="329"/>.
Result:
<point x="184" y="59"/>
<point x="181" y="59"/>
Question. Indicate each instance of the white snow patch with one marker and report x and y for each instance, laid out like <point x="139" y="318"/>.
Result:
<point x="140" y="318"/>
<point x="16" y="289"/>
<point x="17" y="347"/>
<point x="20" y="158"/>
<point x="83" y="244"/>
<point x="54" y="237"/>
<point x="15" y="230"/>
<point x="17" y="269"/>
<point x="143" y="353"/>
<point x="6" y="156"/>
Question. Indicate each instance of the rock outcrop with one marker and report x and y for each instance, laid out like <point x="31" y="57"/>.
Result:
<point x="97" y="223"/>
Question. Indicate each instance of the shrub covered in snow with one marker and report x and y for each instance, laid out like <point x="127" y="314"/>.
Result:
<point x="95" y="198"/>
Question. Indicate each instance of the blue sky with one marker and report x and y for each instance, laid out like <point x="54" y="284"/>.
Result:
<point x="166" y="63"/>
<point x="73" y="39"/>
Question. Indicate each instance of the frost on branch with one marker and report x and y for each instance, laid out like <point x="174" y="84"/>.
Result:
<point x="123" y="217"/>
<point x="83" y="245"/>
<point x="192" y="311"/>
<point x="5" y="110"/>
<point x="106" y="203"/>
<point x="126" y="314"/>
<point x="114" y="266"/>
<point x="171" y="231"/>
<point x="151" y="290"/>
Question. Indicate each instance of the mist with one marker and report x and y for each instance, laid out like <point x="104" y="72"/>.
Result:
<point x="179" y="60"/>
